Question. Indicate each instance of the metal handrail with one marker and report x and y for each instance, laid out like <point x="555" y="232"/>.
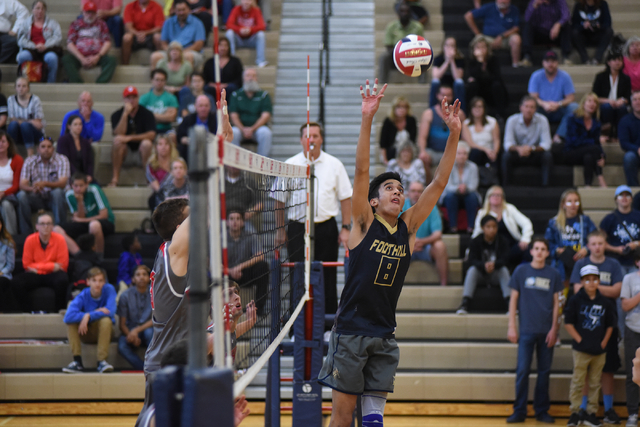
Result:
<point x="324" y="77"/>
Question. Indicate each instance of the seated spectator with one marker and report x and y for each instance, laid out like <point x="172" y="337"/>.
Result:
<point x="11" y="9"/>
<point x="407" y="164"/>
<point x="567" y="234"/>
<point x="176" y="186"/>
<point x="88" y="45"/>
<point x="134" y="127"/>
<point x="582" y="146"/>
<point x="397" y="30"/>
<point x="241" y="194"/>
<point x="433" y="132"/>
<point x="10" y="168"/>
<point x="76" y="148"/>
<point x="201" y="9"/>
<point x="553" y="91"/>
<point x="482" y="133"/>
<point x="185" y="29"/>
<point x="623" y="230"/>
<point x="399" y="126"/>
<point x="448" y="69"/>
<point x="429" y="246"/>
<point x="591" y="22"/>
<point x="3" y="110"/>
<point x="462" y="187"/>
<point x="130" y="259"/>
<point x="109" y="11"/>
<point x="158" y="167"/>
<point x="80" y="264"/>
<point x="143" y="21"/>
<point x="202" y="116"/>
<point x="245" y="28"/>
<point x="613" y="88"/>
<point x="250" y="112"/>
<point x="418" y="12"/>
<point x="90" y="319"/>
<point x="230" y="70"/>
<point x="8" y="302"/>
<point x="629" y="135"/>
<point x="136" y="326"/>
<point x="187" y="96"/>
<point x="177" y="68"/>
<point x="632" y="61"/>
<point x="26" y="116"/>
<point x="92" y="120"/>
<point x="512" y="224"/>
<point x="45" y="259"/>
<point x="161" y="103"/>
<point x="40" y="39"/>
<point x="501" y="23"/>
<point x="90" y="212"/>
<point x="546" y="22"/>
<point x="488" y="255"/>
<point x="42" y="181"/>
<point x="484" y="78"/>
<point x="527" y="141"/>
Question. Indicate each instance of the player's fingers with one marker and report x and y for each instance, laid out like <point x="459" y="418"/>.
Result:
<point x="384" y="87"/>
<point x="368" y="91"/>
<point x="361" y="92"/>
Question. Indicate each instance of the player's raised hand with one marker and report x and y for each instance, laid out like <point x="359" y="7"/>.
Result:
<point x="450" y="115"/>
<point x="371" y="98"/>
<point x="251" y="313"/>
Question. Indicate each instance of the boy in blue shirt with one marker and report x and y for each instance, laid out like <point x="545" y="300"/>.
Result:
<point x="90" y="319"/>
<point x="130" y="259"/>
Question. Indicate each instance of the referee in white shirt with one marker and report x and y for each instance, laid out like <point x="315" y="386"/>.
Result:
<point x="332" y="193"/>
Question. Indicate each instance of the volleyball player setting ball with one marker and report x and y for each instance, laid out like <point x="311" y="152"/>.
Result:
<point x="363" y="354"/>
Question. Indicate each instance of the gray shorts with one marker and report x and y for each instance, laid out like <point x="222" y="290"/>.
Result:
<point x="355" y="364"/>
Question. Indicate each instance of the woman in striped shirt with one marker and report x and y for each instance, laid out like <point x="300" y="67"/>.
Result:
<point x="26" y="117"/>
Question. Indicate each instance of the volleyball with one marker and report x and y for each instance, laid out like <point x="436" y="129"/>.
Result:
<point x="411" y="54"/>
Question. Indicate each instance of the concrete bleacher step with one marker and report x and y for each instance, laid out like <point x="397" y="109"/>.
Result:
<point x="130" y="219"/>
<point x="429" y="298"/>
<point x="127" y="197"/>
<point x="421" y="272"/>
<point x="599" y="198"/>
<point x="597" y="215"/>
<point x="383" y="19"/>
<point x="613" y="175"/>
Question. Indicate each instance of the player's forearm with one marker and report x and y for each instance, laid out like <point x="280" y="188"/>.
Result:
<point x="443" y="172"/>
<point x="364" y="142"/>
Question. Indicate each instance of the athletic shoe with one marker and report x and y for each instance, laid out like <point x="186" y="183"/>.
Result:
<point x="574" y="420"/>
<point x="103" y="367"/>
<point x="516" y="418"/>
<point x="545" y="418"/>
<point x="611" y="417"/>
<point x="73" y="368"/>
<point x="590" y="419"/>
<point x="464" y="306"/>
<point x="632" y="421"/>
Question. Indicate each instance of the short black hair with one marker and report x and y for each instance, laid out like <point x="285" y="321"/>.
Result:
<point x="86" y="242"/>
<point x="445" y="86"/>
<point x="128" y="240"/>
<point x="539" y="239"/>
<point x="177" y="2"/>
<point x="485" y="219"/>
<point x="176" y="354"/>
<point x="303" y="129"/>
<point x="237" y="210"/>
<point x="78" y="176"/>
<point x="374" y="185"/>
<point x="168" y="215"/>
<point x="156" y="71"/>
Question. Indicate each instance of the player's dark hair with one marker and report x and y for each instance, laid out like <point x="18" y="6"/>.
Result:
<point x="485" y="219"/>
<point x="168" y="215"/>
<point x="539" y="239"/>
<point x="78" y="176"/>
<point x="303" y="129"/>
<point x="127" y="241"/>
<point x="374" y="185"/>
<point x="86" y="242"/>
<point x="176" y="354"/>
<point x="157" y="71"/>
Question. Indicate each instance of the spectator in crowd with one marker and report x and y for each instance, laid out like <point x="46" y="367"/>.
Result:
<point x="462" y="187"/>
<point x="130" y="259"/>
<point x="482" y="133"/>
<point x="407" y="164"/>
<point x="26" y="116"/>
<point x="484" y="78"/>
<point x="241" y="194"/>
<point x="630" y="300"/>
<point x="136" y="326"/>
<point x="512" y="224"/>
<point x="418" y="12"/>
<point x="429" y="246"/>
<point x="92" y="120"/>
<point x="230" y="70"/>
<point x="143" y="21"/>
<point x="8" y="302"/>
<point x="501" y="23"/>
<point x="45" y="259"/>
<point x="632" y="61"/>
<point x="553" y="91"/>
<point x="591" y="333"/>
<point x="611" y="279"/>
<point x="90" y="319"/>
<point x="591" y="23"/>
<point x="158" y="168"/>
<point x="10" y="168"/>
<point x="548" y="22"/>
<point x="10" y="9"/>
<point x="3" y="110"/>
<point x="176" y="185"/>
<point x="42" y="181"/>
<point x="202" y="116"/>
<point x="629" y="135"/>
<point x="397" y="30"/>
<point x="567" y="234"/>
<point x="185" y="29"/>
<point x="245" y="28"/>
<point x="91" y="213"/>
<point x="80" y="264"/>
<point x="88" y="45"/>
<point x="448" y="69"/>
<point x="177" y="68"/>
<point x="161" y="103"/>
<point x="623" y="229"/>
<point x="134" y="127"/>
<point x="582" y="146"/>
<point x="488" y="255"/>
<point x="250" y="111"/>
<point x="527" y="141"/>
<point x="109" y="11"/>
<point x="187" y="96"/>
<point x="433" y="132"/>
<point x="40" y="39"/>
<point x="201" y="9"/>
<point x="613" y="88"/>
<point x="534" y="295"/>
<point x="76" y="148"/>
<point x="399" y="126"/>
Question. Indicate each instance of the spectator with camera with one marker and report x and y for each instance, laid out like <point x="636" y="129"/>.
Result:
<point x="623" y="230"/>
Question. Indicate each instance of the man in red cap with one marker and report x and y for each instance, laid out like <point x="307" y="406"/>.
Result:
<point x="109" y="11"/>
<point x="88" y="42"/>
<point x="134" y="129"/>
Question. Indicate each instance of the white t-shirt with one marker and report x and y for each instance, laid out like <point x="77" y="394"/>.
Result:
<point x="630" y="288"/>
<point x="484" y="138"/>
<point x="6" y="176"/>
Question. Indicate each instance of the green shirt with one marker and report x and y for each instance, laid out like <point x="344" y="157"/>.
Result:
<point x="94" y="202"/>
<point x="159" y="105"/>
<point x="395" y="31"/>
<point x="250" y="109"/>
<point x="176" y="78"/>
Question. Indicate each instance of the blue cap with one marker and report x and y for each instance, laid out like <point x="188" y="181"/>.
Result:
<point x="623" y="188"/>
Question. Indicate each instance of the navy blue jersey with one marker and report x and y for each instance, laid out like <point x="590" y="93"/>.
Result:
<point x="377" y="268"/>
